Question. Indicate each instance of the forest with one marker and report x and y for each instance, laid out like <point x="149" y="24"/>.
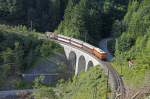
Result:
<point x="20" y="50"/>
<point x="91" y="18"/>
<point x="127" y="22"/>
<point x="40" y="15"/>
<point x="134" y="43"/>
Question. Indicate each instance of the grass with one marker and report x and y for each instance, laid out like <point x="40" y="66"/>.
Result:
<point x="134" y="76"/>
<point x="88" y="85"/>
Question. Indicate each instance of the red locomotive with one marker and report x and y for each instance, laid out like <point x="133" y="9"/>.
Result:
<point x="100" y="54"/>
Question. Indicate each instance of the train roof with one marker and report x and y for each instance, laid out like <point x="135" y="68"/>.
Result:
<point x="101" y="51"/>
<point x="79" y="41"/>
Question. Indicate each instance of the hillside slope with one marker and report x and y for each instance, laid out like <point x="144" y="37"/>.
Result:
<point x="20" y="50"/>
<point x="133" y="45"/>
<point x="88" y="85"/>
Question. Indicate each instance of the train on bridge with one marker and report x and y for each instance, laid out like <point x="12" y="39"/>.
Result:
<point x="116" y="81"/>
<point x="100" y="54"/>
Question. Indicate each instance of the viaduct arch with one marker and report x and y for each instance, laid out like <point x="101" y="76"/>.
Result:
<point x="90" y="64"/>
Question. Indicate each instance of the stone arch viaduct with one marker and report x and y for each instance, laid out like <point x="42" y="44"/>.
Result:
<point x="81" y="60"/>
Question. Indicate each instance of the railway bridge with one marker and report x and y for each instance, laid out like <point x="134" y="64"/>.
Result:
<point x="78" y="53"/>
<point x="78" y="59"/>
<point x="81" y="59"/>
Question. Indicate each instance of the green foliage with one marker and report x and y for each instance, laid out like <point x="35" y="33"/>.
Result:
<point x="20" y="50"/>
<point x="42" y="15"/>
<point x="78" y="18"/>
<point x="89" y="85"/>
<point x="43" y="91"/>
<point x="136" y="23"/>
<point x="74" y="17"/>
<point x="10" y="6"/>
<point x="19" y="84"/>
<point x="132" y="44"/>
<point x="48" y="48"/>
<point x="90" y="19"/>
<point x="84" y="19"/>
<point x="137" y="18"/>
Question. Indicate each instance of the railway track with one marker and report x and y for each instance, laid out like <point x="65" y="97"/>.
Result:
<point x="120" y="90"/>
<point x="117" y="80"/>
